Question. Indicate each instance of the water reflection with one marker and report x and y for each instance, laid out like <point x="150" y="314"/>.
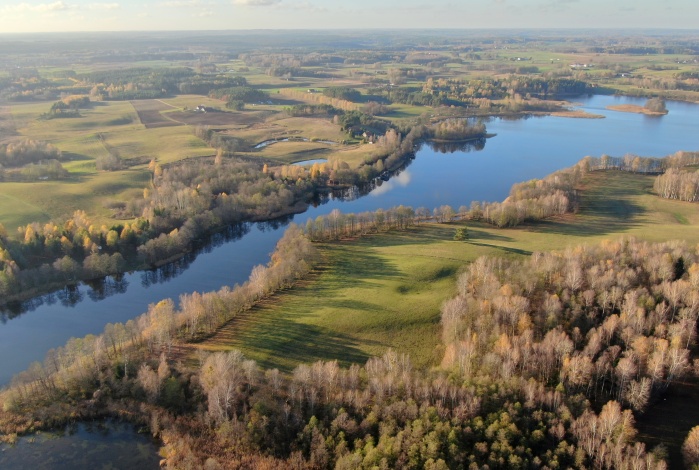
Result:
<point x="105" y="287"/>
<point x="402" y="179"/>
<point x="452" y="147"/>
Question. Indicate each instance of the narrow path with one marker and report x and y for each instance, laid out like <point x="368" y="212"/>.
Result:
<point x="25" y="203"/>
<point x="8" y="126"/>
<point x="167" y="104"/>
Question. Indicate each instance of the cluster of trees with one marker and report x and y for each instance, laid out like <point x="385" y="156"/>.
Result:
<point x="111" y="161"/>
<point x="45" y="169"/>
<point x="682" y="82"/>
<point x="635" y="164"/>
<point x="458" y="129"/>
<point x="145" y="83"/>
<point x="356" y="122"/>
<point x="245" y="94"/>
<point x="191" y="199"/>
<point x="319" y="98"/>
<point x="337" y="225"/>
<point x="374" y="108"/>
<point x="135" y="83"/>
<point x="311" y="110"/>
<point x="656" y="105"/>
<point x="203" y="84"/>
<point x="224" y="142"/>
<point x="613" y="321"/>
<point x="676" y="184"/>
<point x="17" y="154"/>
<point x="610" y="322"/>
<point x="53" y="254"/>
<point x="482" y="92"/>
<point x="532" y="200"/>
<point x="412" y="96"/>
<point x="342" y="93"/>
<point x="68" y="106"/>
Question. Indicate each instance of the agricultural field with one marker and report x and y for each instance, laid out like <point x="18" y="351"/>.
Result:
<point x="140" y="131"/>
<point x="150" y="113"/>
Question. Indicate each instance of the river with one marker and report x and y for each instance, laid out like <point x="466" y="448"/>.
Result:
<point x="523" y="149"/>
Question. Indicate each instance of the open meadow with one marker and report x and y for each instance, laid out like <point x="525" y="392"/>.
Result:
<point x="385" y="291"/>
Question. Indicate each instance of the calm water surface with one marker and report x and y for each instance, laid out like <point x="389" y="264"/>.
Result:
<point x="523" y="149"/>
<point x="106" y="445"/>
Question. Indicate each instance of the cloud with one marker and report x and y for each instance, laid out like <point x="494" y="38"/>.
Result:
<point x="401" y="180"/>
<point x="104" y="6"/>
<point x="304" y="6"/>
<point x="183" y="3"/>
<point x="558" y="5"/>
<point x="39" y="8"/>
<point x="256" y="3"/>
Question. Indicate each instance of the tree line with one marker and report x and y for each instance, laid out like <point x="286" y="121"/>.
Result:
<point x="676" y="184"/>
<point x="119" y="352"/>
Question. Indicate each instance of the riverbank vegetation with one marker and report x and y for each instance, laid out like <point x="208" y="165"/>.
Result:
<point x="188" y="201"/>
<point x="601" y="355"/>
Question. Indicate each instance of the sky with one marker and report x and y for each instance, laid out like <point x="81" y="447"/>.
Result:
<point x="23" y="16"/>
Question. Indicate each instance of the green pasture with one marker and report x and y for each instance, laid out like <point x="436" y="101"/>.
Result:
<point x="40" y="201"/>
<point x="79" y="139"/>
<point x="385" y="291"/>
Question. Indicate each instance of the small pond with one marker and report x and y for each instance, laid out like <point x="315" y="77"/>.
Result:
<point x="108" y="445"/>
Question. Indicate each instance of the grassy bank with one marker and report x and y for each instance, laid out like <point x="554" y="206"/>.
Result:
<point x="385" y="291"/>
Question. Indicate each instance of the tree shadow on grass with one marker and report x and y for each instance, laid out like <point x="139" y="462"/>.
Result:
<point x="361" y="267"/>
<point x="424" y="234"/>
<point x="506" y="249"/>
<point x="474" y="234"/>
<point x="614" y="216"/>
<point x="278" y="340"/>
<point x="607" y="206"/>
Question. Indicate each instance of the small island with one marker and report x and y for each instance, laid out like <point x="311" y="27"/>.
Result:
<point x="653" y="107"/>
<point x="577" y="114"/>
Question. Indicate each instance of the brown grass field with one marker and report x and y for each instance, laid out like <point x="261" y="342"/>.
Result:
<point x="149" y="112"/>
<point x="215" y="118"/>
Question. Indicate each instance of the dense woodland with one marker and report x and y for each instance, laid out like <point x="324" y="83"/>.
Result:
<point x="546" y="361"/>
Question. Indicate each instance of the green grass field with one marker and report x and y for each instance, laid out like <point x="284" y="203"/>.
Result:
<point x="385" y="291"/>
